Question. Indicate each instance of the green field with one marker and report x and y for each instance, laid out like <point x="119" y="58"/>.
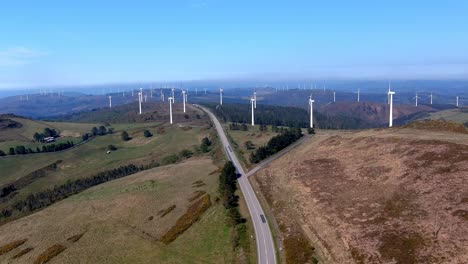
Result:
<point x="257" y="137"/>
<point x="114" y="218"/>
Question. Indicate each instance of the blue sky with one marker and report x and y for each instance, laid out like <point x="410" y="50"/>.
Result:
<point x="93" y="42"/>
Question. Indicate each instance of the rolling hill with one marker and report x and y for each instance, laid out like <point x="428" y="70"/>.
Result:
<point x="374" y="196"/>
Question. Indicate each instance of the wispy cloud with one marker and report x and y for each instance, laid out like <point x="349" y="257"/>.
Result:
<point x="18" y="56"/>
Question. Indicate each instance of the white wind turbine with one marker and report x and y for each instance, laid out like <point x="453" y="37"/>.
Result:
<point x="162" y="95"/>
<point x="184" y="98"/>
<point x="171" y="101"/>
<point x="252" y="102"/>
<point x="334" y="96"/>
<point x="110" y="101"/>
<point x="457" y="101"/>
<point x="145" y="97"/>
<point x="431" y="98"/>
<point x="220" y="96"/>
<point x="358" y="94"/>
<point x="311" y="107"/>
<point x="390" y="120"/>
<point x="140" y="98"/>
<point x="416" y="97"/>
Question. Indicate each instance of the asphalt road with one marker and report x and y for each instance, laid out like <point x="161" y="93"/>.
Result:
<point x="265" y="246"/>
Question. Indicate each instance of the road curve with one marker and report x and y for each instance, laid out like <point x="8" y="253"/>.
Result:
<point x="265" y="246"/>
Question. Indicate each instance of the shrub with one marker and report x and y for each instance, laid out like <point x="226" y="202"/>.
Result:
<point x="2" y="153"/>
<point x="147" y="133"/>
<point x="193" y="214"/>
<point x="50" y="253"/>
<point x="205" y="145"/>
<point x="125" y="136"/>
<point x="311" y="130"/>
<point x="111" y="147"/>
<point x="12" y="245"/>
<point x="171" y="159"/>
<point x="185" y="153"/>
<point x="11" y="151"/>
<point x="75" y="238"/>
<point x="249" y="145"/>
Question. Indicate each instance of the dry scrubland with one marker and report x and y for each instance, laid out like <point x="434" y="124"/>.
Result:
<point x="123" y="221"/>
<point x="376" y="196"/>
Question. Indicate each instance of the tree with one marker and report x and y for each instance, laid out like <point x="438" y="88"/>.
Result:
<point x="11" y="151"/>
<point x="110" y="130"/>
<point x="244" y="127"/>
<point x="125" y="136"/>
<point x="38" y="137"/>
<point x="205" y="145"/>
<point x="20" y="150"/>
<point x="102" y="130"/>
<point x="2" y="153"/>
<point x="147" y="133"/>
<point x="94" y="131"/>
<point x="311" y="130"/>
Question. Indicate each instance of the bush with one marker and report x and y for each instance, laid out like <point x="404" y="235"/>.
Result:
<point x="102" y="130"/>
<point x="147" y="133"/>
<point x="2" y="153"/>
<point x="11" y="151"/>
<point x="205" y="145"/>
<point x="125" y="136"/>
<point x="311" y="130"/>
<point x="249" y="145"/>
<point x="171" y="159"/>
<point x="185" y="153"/>
<point x="111" y="147"/>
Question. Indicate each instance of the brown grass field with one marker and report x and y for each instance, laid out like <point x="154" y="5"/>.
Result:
<point x="374" y="196"/>
<point x="117" y="222"/>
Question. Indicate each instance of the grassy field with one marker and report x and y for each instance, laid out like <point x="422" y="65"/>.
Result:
<point x="87" y="159"/>
<point x="120" y="223"/>
<point x="458" y="115"/>
<point x="254" y="134"/>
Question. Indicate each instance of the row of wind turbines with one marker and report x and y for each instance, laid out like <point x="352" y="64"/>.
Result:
<point x="253" y="102"/>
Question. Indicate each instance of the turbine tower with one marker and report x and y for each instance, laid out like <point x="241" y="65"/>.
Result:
<point x="390" y="120"/>
<point x="431" y="98"/>
<point x="416" y="97"/>
<point x="171" y="101"/>
<point x="172" y="96"/>
<point x="252" y="101"/>
<point x="162" y="95"/>
<point x="184" y="98"/>
<point x="334" y="96"/>
<point x="457" y="101"/>
<point x="110" y="101"/>
<point x="139" y="100"/>
<point x="220" y="96"/>
<point x="311" y="107"/>
<point x="358" y="92"/>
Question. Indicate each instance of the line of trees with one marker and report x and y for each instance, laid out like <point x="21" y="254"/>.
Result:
<point x="22" y="150"/>
<point x="237" y="126"/>
<point x="45" y="198"/>
<point x="275" y="144"/>
<point x="227" y="190"/>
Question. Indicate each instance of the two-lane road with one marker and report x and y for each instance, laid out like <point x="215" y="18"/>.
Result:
<point x="265" y="245"/>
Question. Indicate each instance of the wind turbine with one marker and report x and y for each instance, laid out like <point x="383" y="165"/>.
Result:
<point x="416" y="97"/>
<point x="255" y="99"/>
<point x="388" y="94"/>
<point x="220" y="96"/>
<point x="145" y="97"/>
<point x="252" y="101"/>
<point x="311" y="105"/>
<point x="171" y="101"/>
<point x="334" y="96"/>
<point x="358" y="93"/>
<point x="390" y="120"/>
<point x="431" y="98"/>
<point x="457" y="101"/>
<point x="162" y="95"/>
<point x="184" y="98"/>
<point x="110" y="101"/>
